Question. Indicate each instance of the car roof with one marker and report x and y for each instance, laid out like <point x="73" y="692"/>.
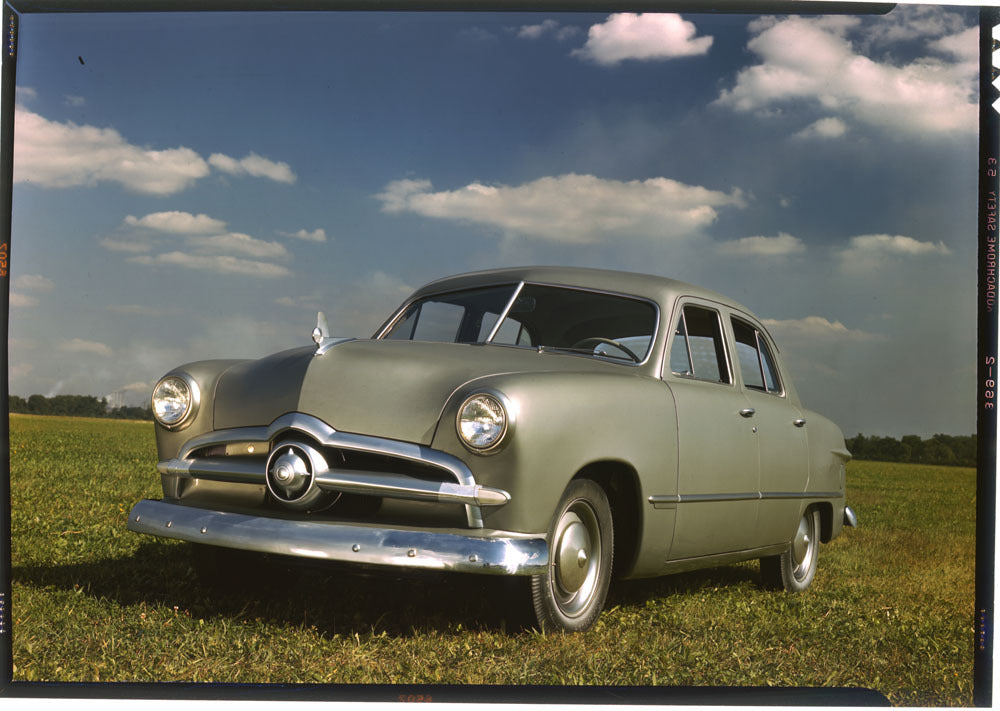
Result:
<point x="662" y="290"/>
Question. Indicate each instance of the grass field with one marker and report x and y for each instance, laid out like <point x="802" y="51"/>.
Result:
<point x="891" y="608"/>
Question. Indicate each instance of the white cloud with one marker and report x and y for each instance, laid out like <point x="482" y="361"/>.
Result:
<point x="536" y="31"/>
<point x="25" y="93"/>
<point x="206" y="244"/>
<point x="908" y="22"/>
<point x="178" y="223"/>
<point x="781" y="246"/>
<point x="33" y="282"/>
<point x="547" y="27"/>
<point x="812" y="60"/>
<point x="22" y="300"/>
<point x="139" y="387"/>
<point x="62" y="155"/>
<point x="824" y="128"/>
<point x="221" y="264"/>
<point x="317" y="235"/>
<point x="644" y="36"/>
<point x="873" y="245"/>
<point x="569" y="208"/>
<point x="237" y="243"/>
<point x="962" y="45"/>
<point x="253" y="165"/>
<point x="866" y="253"/>
<point x="816" y="328"/>
<point x="78" y="345"/>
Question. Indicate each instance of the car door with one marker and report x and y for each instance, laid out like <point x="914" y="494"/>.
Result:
<point x="717" y="478"/>
<point x="780" y="430"/>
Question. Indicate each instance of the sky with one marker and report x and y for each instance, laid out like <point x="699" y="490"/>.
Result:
<point x="199" y="185"/>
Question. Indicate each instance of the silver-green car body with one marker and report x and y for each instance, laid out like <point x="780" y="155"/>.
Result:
<point x="675" y="403"/>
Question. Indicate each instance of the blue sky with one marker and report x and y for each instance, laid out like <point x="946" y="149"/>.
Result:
<point x="191" y="186"/>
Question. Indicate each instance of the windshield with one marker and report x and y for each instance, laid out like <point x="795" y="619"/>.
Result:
<point x="546" y="317"/>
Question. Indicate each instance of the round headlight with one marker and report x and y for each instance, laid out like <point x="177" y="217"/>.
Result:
<point x="175" y="399"/>
<point x="482" y="422"/>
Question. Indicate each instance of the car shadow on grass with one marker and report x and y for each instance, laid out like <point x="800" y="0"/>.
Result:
<point x="330" y="597"/>
<point x="626" y="593"/>
<point x="333" y="598"/>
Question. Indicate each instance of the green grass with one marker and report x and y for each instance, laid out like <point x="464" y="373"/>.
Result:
<point x="891" y="608"/>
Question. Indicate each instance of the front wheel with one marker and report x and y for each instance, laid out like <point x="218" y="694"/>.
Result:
<point x="795" y="569"/>
<point x="571" y="594"/>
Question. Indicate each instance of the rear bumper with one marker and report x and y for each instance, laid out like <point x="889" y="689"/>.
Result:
<point x="491" y="552"/>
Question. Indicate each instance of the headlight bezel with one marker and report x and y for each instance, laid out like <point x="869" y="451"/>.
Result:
<point x="193" y="405"/>
<point x="508" y="412"/>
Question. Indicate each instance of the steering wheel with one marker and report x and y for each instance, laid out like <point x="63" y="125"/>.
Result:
<point x="598" y="340"/>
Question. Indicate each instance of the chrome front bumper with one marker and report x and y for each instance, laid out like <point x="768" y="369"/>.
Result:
<point x="497" y="553"/>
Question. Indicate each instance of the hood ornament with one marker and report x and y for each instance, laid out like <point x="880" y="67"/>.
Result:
<point x="321" y="336"/>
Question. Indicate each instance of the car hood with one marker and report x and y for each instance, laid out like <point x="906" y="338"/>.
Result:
<point x="392" y="389"/>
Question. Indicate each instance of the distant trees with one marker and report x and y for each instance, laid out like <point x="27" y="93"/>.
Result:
<point x="75" y="406"/>
<point x="939" y="449"/>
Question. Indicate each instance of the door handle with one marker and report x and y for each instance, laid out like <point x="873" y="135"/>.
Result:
<point x="747" y="412"/>
<point x="799" y="422"/>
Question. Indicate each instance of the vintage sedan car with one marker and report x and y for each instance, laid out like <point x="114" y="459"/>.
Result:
<point x="548" y="423"/>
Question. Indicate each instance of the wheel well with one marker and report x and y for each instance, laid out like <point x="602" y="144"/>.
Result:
<point x="620" y="483"/>
<point x="825" y="520"/>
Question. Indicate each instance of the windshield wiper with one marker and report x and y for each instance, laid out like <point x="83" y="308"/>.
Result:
<point x="580" y="351"/>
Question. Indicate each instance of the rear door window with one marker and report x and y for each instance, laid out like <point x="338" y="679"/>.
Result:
<point x="697" y="350"/>
<point x="755" y="359"/>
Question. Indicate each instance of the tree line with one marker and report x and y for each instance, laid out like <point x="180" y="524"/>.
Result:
<point x="75" y="406"/>
<point x="939" y="449"/>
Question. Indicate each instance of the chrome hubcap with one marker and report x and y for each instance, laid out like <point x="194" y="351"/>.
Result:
<point x="804" y="546"/>
<point x="572" y="554"/>
<point x="577" y="558"/>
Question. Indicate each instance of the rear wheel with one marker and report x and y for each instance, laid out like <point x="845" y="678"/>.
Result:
<point x="571" y="594"/>
<point x="795" y="569"/>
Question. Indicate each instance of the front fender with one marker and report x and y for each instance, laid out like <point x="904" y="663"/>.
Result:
<point x="562" y="423"/>
<point x="206" y="373"/>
